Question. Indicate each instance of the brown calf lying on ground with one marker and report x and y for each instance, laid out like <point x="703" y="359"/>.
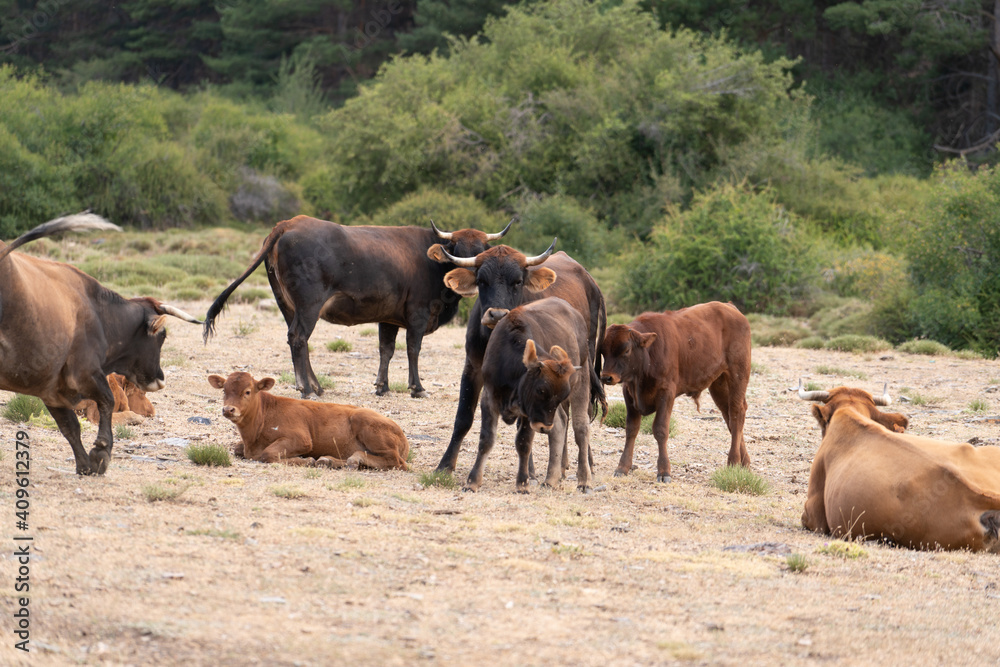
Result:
<point x="660" y="356"/>
<point x="871" y="480"/>
<point x="278" y="429"/>
<point x="131" y="403"/>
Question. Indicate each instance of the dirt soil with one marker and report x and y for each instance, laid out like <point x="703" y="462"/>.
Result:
<point x="373" y="568"/>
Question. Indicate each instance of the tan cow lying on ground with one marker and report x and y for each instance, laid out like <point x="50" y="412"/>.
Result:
<point x="131" y="403"/>
<point x="278" y="429"/>
<point x="870" y="480"/>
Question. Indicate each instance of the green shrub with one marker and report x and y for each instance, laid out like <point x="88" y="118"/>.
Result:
<point x="738" y="479"/>
<point x="289" y="491"/>
<point x="796" y="563"/>
<point x="22" y="408"/>
<point x="123" y="432"/>
<point x="842" y="549"/>
<point x="731" y="245"/>
<point x="978" y="406"/>
<point x="856" y="343"/>
<point x="440" y="478"/>
<point x="450" y="212"/>
<point x="931" y="348"/>
<point x="844" y="372"/>
<point x="157" y="492"/>
<point x="579" y="233"/>
<point x="339" y="345"/>
<point x="843" y="316"/>
<point x="770" y="331"/>
<point x="811" y="343"/>
<point x="209" y="455"/>
<point x="616" y="419"/>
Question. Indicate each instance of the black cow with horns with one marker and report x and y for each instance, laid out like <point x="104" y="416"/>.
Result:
<point x="356" y="275"/>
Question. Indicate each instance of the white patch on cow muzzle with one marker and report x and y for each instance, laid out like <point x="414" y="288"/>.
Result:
<point x="156" y="385"/>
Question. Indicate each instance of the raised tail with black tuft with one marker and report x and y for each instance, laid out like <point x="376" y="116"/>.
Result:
<point x="79" y="222"/>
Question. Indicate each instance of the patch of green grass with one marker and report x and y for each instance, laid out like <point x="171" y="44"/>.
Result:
<point x="916" y="398"/>
<point x="350" y="482"/>
<point x="619" y="318"/>
<point x="400" y="344"/>
<point x="930" y="348"/>
<point x="124" y="432"/>
<point x="757" y="369"/>
<point x="796" y="563"/>
<point x="243" y="329"/>
<point x="289" y="491"/>
<point x="405" y="498"/>
<point x="361" y="501"/>
<point x="738" y="479"/>
<point x="209" y="454"/>
<point x="287" y="377"/>
<point x="968" y="354"/>
<point x="339" y="345"/>
<point x="616" y="419"/>
<point x="858" y="343"/>
<point x="156" y="492"/>
<point x="812" y="386"/>
<point x="399" y="387"/>
<point x="842" y="549"/>
<point x="313" y="473"/>
<point x="368" y="331"/>
<point x="214" y="532"/>
<point x="572" y="551"/>
<point x="440" y="478"/>
<point x="22" y="408"/>
<point x="978" y="406"/>
<point x="843" y="372"/>
<point x="326" y="382"/>
<point x="811" y="343"/>
<point x="43" y="420"/>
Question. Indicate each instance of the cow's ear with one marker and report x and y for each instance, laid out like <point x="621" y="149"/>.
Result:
<point x="646" y="339"/>
<point x="530" y="358"/>
<point x="265" y="384"/>
<point x="217" y="381"/>
<point x="436" y="252"/>
<point x="540" y="278"/>
<point x="820" y="412"/>
<point x="155" y="324"/>
<point x="563" y="366"/>
<point x="462" y="281"/>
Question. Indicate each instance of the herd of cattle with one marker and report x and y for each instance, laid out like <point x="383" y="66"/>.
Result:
<point x="538" y="353"/>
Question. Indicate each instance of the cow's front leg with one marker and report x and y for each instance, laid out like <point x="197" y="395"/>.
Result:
<point x="487" y="434"/>
<point x="414" y="338"/>
<point x="386" y="348"/>
<point x="69" y="426"/>
<point x="469" y="390"/>
<point x="287" y="450"/>
<point x="522" y="443"/>
<point x="581" y="433"/>
<point x="633" y="418"/>
<point x="557" y="449"/>
<point x="661" y="429"/>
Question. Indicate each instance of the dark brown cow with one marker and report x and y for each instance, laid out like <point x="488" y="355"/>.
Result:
<point x="131" y="403"/>
<point x="504" y="279"/>
<point x="871" y="480"/>
<point x="538" y="390"/>
<point x="660" y="356"/>
<point x="275" y="429"/>
<point x="62" y="333"/>
<point x="354" y="275"/>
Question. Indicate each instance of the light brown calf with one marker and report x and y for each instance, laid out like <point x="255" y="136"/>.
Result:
<point x="131" y="403"/>
<point x="287" y="430"/>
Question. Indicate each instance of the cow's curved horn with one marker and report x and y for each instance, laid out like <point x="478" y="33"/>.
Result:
<point x="464" y="262"/>
<point x="177" y="312"/>
<point x="538" y="259"/>
<point x="500" y="235"/>
<point x="811" y="395"/>
<point x="441" y="235"/>
<point x="885" y="399"/>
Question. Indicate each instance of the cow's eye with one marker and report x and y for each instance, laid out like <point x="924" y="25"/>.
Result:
<point x="246" y="393"/>
<point x="518" y="283"/>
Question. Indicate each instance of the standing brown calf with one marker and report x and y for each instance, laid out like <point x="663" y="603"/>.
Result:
<point x="278" y="429"/>
<point x="660" y="356"/>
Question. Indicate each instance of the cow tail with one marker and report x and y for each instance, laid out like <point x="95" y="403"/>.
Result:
<point x="220" y="303"/>
<point x="79" y="222"/>
<point x="597" y="395"/>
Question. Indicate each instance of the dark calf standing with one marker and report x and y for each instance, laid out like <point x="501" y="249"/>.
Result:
<point x="504" y="279"/>
<point x="660" y="356"/>
<point x="354" y="275"/>
<point x="538" y="390"/>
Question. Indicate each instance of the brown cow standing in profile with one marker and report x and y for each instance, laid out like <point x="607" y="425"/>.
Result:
<point x="660" y="356"/>
<point x="871" y="480"/>
<point x="277" y="429"/>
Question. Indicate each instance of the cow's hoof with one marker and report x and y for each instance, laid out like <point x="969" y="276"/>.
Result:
<point x="381" y="390"/>
<point x="470" y="487"/>
<point x="587" y="490"/>
<point x="621" y="473"/>
<point x="419" y="394"/>
<point x="99" y="459"/>
<point x="522" y="488"/>
<point x="663" y="478"/>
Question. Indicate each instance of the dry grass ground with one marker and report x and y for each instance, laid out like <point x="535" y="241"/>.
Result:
<point x="275" y="565"/>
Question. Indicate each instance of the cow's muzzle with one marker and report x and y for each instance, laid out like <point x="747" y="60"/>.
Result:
<point x="156" y="385"/>
<point x="493" y="316"/>
<point x="230" y="412"/>
<point x="539" y="427"/>
<point x="608" y="378"/>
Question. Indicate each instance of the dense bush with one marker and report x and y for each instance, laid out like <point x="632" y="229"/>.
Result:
<point x="448" y="211"/>
<point x="731" y="245"/>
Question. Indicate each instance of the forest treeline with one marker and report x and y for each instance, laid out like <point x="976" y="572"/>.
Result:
<point x="792" y="158"/>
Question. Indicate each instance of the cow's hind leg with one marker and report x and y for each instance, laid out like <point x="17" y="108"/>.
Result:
<point x="386" y="348"/>
<point x="299" y="331"/>
<point x="383" y="444"/>
<point x="733" y="406"/>
<point x="69" y="426"/>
